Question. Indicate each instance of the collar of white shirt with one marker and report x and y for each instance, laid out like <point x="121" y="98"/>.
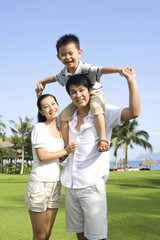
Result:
<point x="88" y="121"/>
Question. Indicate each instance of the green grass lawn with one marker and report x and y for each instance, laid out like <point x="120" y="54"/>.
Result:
<point x="133" y="200"/>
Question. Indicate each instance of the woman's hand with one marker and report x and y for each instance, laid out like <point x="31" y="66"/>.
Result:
<point x="71" y="147"/>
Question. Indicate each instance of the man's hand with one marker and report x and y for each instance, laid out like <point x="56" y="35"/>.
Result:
<point x="128" y="72"/>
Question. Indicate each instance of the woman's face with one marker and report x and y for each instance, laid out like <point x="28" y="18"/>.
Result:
<point x="49" y="108"/>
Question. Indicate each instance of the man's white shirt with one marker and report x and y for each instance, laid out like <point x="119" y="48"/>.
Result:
<point x="86" y="165"/>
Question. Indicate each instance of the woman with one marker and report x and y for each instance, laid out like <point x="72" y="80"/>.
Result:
<point x="43" y="190"/>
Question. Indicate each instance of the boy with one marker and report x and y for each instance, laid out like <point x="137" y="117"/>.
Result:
<point x="69" y="52"/>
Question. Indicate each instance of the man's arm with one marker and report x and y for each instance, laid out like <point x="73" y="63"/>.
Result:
<point x="133" y="110"/>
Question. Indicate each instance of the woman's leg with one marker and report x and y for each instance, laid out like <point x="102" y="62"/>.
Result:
<point x="50" y="218"/>
<point x="42" y="223"/>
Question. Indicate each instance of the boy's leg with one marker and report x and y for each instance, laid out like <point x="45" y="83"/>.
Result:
<point x="99" y="121"/>
<point x="64" y="131"/>
<point x="97" y="107"/>
<point x="65" y="117"/>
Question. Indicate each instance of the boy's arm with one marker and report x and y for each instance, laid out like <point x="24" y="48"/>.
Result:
<point x="133" y="110"/>
<point x="47" y="80"/>
<point x="108" y="70"/>
<point x="41" y="84"/>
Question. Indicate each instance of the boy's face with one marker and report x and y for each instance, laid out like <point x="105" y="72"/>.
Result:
<point x="80" y="95"/>
<point x="69" y="55"/>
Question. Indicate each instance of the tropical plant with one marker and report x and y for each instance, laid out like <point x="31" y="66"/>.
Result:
<point x="115" y="142"/>
<point x="2" y="131"/>
<point x="28" y="146"/>
<point x="20" y="135"/>
<point x="126" y="135"/>
<point x="2" y="138"/>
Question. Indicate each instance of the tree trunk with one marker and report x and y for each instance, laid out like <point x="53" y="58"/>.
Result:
<point x="126" y="161"/>
<point x="1" y="165"/>
<point x="115" y="166"/>
<point x="22" y="165"/>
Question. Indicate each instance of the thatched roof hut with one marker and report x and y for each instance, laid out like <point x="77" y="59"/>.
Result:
<point x="148" y="162"/>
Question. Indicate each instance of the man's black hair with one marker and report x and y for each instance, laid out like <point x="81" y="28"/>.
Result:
<point x="78" y="80"/>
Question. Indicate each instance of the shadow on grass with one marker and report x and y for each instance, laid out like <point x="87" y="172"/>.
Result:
<point x="140" y="227"/>
<point x="137" y="182"/>
<point x="134" y="186"/>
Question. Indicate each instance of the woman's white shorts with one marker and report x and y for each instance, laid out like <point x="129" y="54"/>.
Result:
<point x="42" y="195"/>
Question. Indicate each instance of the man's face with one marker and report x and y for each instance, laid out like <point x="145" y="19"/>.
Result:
<point x="80" y="95"/>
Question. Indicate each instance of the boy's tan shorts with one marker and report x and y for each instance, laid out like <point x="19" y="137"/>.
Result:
<point x="97" y="106"/>
<point x="97" y="103"/>
<point x="42" y="195"/>
<point x="67" y="113"/>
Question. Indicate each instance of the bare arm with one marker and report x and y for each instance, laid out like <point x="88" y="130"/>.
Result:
<point x="45" y="156"/>
<point x="133" y="110"/>
<point x="48" y="80"/>
<point x="108" y="70"/>
<point x="41" y="84"/>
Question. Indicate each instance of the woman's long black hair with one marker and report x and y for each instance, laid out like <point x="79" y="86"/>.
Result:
<point x="40" y="117"/>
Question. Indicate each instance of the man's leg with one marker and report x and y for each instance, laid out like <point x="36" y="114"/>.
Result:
<point x="80" y="236"/>
<point x="93" y="202"/>
<point x="73" y="212"/>
<point x="86" y="212"/>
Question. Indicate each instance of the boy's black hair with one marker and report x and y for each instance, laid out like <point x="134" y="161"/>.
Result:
<point x="65" y="39"/>
<point x="40" y="117"/>
<point x="78" y="80"/>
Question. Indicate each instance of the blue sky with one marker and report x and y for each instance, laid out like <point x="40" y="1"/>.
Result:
<point x="112" y="33"/>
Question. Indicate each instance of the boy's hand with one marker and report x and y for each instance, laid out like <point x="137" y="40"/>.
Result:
<point x="39" y="89"/>
<point x="121" y="72"/>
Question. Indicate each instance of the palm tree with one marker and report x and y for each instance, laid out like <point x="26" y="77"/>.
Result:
<point x="129" y="136"/>
<point x="20" y="132"/>
<point x="2" y="133"/>
<point x="115" y="142"/>
<point x="2" y="138"/>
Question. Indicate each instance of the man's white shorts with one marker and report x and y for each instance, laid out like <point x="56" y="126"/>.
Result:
<point x="86" y="210"/>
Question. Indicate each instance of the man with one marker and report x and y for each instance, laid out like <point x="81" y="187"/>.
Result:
<point x="87" y="169"/>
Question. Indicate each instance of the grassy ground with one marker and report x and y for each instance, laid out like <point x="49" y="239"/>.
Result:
<point x="133" y="208"/>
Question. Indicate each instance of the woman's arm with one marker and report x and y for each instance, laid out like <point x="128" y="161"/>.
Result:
<point x="45" y="156"/>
